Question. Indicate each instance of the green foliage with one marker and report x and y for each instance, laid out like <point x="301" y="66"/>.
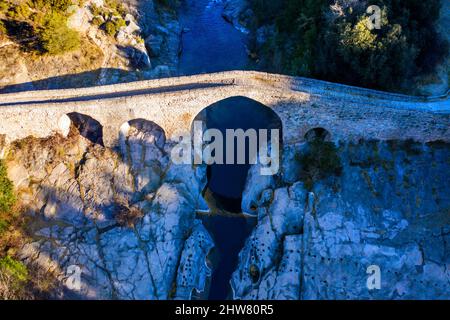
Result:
<point x="19" y="12"/>
<point x="14" y="268"/>
<point x="113" y="26"/>
<point x="319" y="161"/>
<point x="7" y="197"/>
<point x="96" y="10"/>
<point x="117" y="8"/>
<point x="14" y="277"/>
<point x="3" y="226"/>
<point x="4" y="6"/>
<point x="3" y="30"/>
<point x="97" y="21"/>
<point x="56" y="37"/>
<point x="312" y="40"/>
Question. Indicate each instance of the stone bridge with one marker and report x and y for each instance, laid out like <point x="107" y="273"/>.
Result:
<point x="172" y="103"/>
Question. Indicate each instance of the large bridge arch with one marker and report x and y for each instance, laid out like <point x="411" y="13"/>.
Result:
<point x="226" y="181"/>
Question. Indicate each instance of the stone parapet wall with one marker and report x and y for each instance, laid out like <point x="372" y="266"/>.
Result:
<point x="347" y="112"/>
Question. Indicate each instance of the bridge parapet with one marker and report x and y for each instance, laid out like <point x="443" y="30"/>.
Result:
<point x="347" y="112"/>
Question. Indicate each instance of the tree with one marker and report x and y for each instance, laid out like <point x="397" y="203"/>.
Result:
<point x="56" y="37"/>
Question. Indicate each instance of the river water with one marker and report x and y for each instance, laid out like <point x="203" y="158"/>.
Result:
<point x="210" y="44"/>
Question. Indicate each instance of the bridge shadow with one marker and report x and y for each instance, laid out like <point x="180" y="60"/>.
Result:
<point x="84" y="79"/>
<point x="162" y="89"/>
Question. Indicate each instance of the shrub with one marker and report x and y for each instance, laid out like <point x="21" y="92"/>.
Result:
<point x="97" y="21"/>
<point x="96" y="10"/>
<point x="333" y="43"/>
<point x="7" y="197"/>
<point x="15" y="268"/>
<point x="59" y="5"/>
<point x="56" y="37"/>
<point x="19" y="12"/>
<point x="113" y="26"/>
<point x="3" y="30"/>
<point x="4" y="6"/>
<point x="319" y="161"/>
<point x="117" y="8"/>
<point x="13" y="278"/>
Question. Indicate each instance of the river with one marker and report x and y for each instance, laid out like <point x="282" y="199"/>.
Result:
<point x="210" y="44"/>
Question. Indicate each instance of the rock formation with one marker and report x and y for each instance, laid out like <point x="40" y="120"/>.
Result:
<point x="389" y="207"/>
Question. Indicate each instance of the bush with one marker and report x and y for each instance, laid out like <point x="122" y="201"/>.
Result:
<point x="96" y="10"/>
<point x="97" y="21"/>
<point x="117" y="8"/>
<point x="13" y="279"/>
<point x="3" y="30"/>
<point x="4" y="6"/>
<point x="15" y="268"/>
<point x="311" y="39"/>
<point x="319" y="161"/>
<point x="56" y="37"/>
<point x="113" y="26"/>
<point x="19" y="12"/>
<point x="7" y="197"/>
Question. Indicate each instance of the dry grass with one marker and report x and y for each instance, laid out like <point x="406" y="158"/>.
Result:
<point x="17" y="66"/>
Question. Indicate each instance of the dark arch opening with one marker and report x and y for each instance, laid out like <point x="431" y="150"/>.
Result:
<point x="88" y="127"/>
<point x="227" y="225"/>
<point x="317" y="134"/>
<point x="226" y="182"/>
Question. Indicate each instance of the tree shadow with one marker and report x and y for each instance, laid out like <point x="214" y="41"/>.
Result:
<point x="23" y="34"/>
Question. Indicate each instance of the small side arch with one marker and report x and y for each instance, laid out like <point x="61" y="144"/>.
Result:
<point x="87" y="126"/>
<point x="317" y="133"/>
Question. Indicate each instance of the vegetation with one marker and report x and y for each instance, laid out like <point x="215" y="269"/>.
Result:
<point x="17" y="280"/>
<point x="7" y="197"/>
<point x="319" y="161"/>
<point x="110" y="17"/>
<point x="56" y="37"/>
<point x="13" y="277"/>
<point x="40" y="25"/>
<point x="331" y="40"/>
<point x="113" y="26"/>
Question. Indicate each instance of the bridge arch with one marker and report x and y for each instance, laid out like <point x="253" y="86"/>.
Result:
<point x="87" y="126"/>
<point x="319" y="133"/>
<point x="226" y="181"/>
<point x="151" y="132"/>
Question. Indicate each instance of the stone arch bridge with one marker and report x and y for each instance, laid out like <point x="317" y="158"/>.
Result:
<point x="172" y="103"/>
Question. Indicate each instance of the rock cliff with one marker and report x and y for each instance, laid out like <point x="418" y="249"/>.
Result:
<point x="387" y="207"/>
<point x="125" y="218"/>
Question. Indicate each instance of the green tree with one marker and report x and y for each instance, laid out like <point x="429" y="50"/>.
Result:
<point x="56" y="37"/>
<point x="7" y="197"/>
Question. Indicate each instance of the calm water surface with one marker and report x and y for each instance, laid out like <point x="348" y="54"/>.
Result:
<point x="210" y="44"/>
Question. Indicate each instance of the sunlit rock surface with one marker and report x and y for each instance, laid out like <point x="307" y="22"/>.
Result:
<point x="126" y="220"/>
<point x="389" y="208"/>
